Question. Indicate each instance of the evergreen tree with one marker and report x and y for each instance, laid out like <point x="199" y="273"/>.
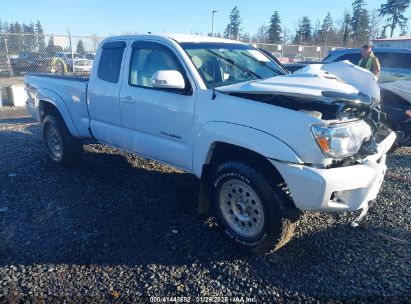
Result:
<point x="2" y="46"/>
<point x="383" y="33"/>
<point x="233" y="29"/>
<point x="29" y="39"/>
<point x="327" y="29"/>
<point x="80" y="48"/>
<point x="394" y="10"/>
<point x="317" y="32"/>
<point x="360" y="22"/>
<point x="11" y="40"/>
<point x="52" y="49"/>
<point x="18" y="39"/>
<point x="6" y="27"/>
<point x="32" y="41"/>
<point x="304" y="31"/>
<point x="274" y="29"/>
<point x="41" y="43"/>
<point x="345" y="32"/>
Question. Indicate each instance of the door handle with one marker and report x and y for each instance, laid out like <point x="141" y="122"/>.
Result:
<point x="398" y="75"/>
<point x="128" y="99"/>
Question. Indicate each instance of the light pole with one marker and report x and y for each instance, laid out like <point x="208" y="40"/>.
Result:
<point x="212" y="23"/>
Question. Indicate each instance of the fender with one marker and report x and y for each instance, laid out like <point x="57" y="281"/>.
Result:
<point x="47" y="95"/>
<point x="246" y="137"/>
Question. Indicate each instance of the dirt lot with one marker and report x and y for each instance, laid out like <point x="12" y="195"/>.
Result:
<point x="119" y="228"/>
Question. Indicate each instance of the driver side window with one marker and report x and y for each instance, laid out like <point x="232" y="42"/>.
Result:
<point x="146" y="61"/>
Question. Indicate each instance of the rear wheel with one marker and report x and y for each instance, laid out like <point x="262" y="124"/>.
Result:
<point x="251" y="208"/>
<point x="61" y="146"/>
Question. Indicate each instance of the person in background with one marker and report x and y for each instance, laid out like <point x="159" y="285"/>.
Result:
<point x="369" y="61"/>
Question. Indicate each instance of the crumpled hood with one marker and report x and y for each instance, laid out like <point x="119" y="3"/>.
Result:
<point x="312" y="80"/>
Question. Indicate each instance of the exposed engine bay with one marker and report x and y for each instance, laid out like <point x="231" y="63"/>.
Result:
<point x="344" y="108"/>
<point x="335" y="93"/>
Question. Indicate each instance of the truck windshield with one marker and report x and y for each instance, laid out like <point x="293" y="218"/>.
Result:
<point x="221" y="64"/>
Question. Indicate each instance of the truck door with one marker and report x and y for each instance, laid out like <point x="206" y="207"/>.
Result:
<point x="157" y="123"/>
<point x="387" y="61"/>
<point x="103" y="94"/>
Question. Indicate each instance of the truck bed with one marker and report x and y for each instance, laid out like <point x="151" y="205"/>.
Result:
<point x="68" y="90"/>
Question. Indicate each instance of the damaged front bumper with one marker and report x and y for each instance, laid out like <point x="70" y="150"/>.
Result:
<point x="347" y="188"/>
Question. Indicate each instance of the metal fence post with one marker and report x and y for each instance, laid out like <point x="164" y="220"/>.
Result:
<point x="71" y="50"/>
<point x="8" y="58"/>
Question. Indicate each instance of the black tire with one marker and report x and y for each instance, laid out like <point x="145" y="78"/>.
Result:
<point x="280" y="215"/>
<point x="71" y="147"/>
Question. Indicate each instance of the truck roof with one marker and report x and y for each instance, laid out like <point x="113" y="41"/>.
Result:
<point x="180" y="38"/>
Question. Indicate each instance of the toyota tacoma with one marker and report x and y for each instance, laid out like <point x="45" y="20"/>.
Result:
<point x="264" y="144"/>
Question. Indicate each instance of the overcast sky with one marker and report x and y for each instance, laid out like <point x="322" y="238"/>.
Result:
<point x="86" y="17"/>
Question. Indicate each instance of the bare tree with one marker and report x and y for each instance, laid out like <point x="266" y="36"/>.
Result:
<point x="262" y="34"/>
<point x="287" y="36"/>
<point x="375" y="24"/>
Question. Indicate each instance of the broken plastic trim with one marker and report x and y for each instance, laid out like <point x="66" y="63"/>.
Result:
<point x="359" y="98"/>
<point x="330" y="109"/>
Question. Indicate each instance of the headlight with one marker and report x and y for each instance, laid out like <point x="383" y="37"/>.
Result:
<point x="342" y="140"/>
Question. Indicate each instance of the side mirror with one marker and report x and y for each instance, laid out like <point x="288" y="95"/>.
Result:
<point x="168" y="79"/>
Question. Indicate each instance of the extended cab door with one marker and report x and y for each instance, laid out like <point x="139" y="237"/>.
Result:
<point x="157" y="123"/>
<point x="387" y="61"/>
<point x="104" y="94"/>
<point x="401" y="66"/>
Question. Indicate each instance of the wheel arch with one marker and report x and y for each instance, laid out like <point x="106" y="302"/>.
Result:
<point x="225" y="147"/>
<point x="56" y="106"/>
<point x="216" y="137"/>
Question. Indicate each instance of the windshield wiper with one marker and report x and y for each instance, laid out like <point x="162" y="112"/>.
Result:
<point x="235" y="64"/>
<point x="259" y="62"/>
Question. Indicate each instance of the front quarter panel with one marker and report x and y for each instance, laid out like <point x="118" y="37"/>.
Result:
<point x="242" y="136"/>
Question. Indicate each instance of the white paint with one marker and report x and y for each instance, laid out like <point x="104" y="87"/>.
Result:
<point x="182" y="130"/>
<point x="345" y="72"/>
<point x="19" y="96"/>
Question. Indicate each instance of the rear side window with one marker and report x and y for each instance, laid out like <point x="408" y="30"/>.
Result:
<point x="110" y="61"/>
<point x="395" y="60"/>
<point x="405" y="61"/>
<point x="387" y="60"/>
<point x="353" y="58"/>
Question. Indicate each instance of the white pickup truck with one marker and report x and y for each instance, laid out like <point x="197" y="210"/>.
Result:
<point x="264" y="144"/>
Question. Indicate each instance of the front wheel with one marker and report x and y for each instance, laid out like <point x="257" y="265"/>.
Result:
<point x="251" y="208"/>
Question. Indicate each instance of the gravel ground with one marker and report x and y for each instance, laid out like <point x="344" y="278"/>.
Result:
<point x="119" y="228"/>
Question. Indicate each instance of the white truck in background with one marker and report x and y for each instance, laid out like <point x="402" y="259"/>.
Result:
<point x="75" y="62"/>
<point x="264" y="144"/>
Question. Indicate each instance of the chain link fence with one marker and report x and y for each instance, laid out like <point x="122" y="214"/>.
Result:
<point x="297" y="53"/>
<point x="28" y="53"/>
